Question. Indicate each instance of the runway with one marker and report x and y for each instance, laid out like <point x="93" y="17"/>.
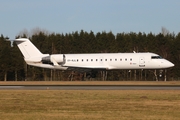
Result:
<point x="89" y="87"/>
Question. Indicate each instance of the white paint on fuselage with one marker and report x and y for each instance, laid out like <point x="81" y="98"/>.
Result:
<point x="116" y="61"/>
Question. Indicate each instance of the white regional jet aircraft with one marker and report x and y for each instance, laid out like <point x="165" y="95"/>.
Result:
<point x="102" y="61"/>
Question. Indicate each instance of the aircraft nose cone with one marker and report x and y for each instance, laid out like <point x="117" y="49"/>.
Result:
<point x="171" y="65"/>
<point x="167" y="64"/>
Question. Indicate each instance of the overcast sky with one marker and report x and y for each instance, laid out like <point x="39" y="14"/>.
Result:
<point x="67" y="16"/>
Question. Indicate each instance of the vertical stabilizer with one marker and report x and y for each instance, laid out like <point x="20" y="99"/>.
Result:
<point x="27" y="48"/>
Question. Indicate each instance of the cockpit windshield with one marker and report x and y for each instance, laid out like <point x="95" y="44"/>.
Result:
<point x="156" y="57"/>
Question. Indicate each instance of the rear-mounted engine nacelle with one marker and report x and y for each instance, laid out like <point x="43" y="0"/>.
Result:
<point x="59" y="58"/>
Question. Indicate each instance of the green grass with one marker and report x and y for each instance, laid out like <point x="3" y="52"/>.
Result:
<point x="89" y="104"/>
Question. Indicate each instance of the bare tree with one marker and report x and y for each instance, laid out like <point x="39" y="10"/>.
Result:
<point x="24" y="33"/>
<point x="34" y="31"/>
<point x="37" y="30"/>
<point x="164" y="31"/>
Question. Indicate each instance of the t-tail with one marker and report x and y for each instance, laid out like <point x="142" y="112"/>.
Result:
<point x="34" y="57"/>
<point x="29" y="51"/>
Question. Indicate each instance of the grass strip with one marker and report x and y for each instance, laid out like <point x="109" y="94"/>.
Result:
<point x="89" y="104"/>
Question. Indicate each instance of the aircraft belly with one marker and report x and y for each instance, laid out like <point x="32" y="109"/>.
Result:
<point x="125" y="65"/>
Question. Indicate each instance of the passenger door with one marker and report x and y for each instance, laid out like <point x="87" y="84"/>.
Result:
<point x="141" y="62"/>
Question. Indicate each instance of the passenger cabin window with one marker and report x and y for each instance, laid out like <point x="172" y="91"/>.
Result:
<point x="156" y="57"/>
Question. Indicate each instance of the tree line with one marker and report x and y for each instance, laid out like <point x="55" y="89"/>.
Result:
<point x="13" y="67"/>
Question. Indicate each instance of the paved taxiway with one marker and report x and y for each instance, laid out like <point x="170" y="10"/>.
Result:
<point x="90" y="87"/>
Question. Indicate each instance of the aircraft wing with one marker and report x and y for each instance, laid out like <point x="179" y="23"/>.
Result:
<point x="86" y="68"/>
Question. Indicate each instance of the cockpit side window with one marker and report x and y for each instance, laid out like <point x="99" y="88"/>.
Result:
<point x="156" y="57"/>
